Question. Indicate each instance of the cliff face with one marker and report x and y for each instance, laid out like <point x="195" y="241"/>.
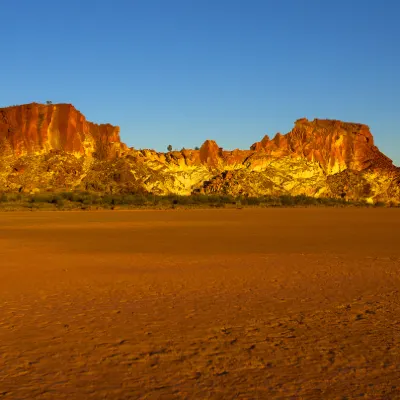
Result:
<point x="334" y="145"/>
<point x="37" y="128"/>
<point x="53" y="147"/>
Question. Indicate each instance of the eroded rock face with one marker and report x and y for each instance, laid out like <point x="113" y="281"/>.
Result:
<point x="53" y="147"/>
<point x="335" y="145"/>
<point x="38" y="128"/>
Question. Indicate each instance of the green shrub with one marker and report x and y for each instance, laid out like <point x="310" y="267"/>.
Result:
<point x="14" y="197"/>
<point x="77" y="197"/>
<point x="67" y="196"/>
<point x="40" y="198"/>
<point x="182" y="200"/>
<point x="55" y="199"/>
<point x="59" y="202"/>
<point x="143" y="199"/>
<point x="199" y="199"/>
<point x="304" y="200"/>
<point x="286" y="200"/>
<point x="227" y="199"/>
<point x="134" y="199"/>
<point x="253" y="201"/>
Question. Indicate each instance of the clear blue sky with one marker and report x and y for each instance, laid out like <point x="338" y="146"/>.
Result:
<point x="181" y="71"/>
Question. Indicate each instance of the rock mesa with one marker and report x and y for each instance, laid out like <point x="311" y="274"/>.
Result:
<point x="53" y="148"/>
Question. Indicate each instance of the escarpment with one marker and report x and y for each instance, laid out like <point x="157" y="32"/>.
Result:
<point x="54" y="148"/>
<point x="38" y="128"/>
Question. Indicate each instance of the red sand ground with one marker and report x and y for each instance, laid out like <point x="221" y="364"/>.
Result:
<point x="205" y="304"/>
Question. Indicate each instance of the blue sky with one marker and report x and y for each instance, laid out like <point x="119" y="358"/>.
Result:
<point x="182" y="71"/>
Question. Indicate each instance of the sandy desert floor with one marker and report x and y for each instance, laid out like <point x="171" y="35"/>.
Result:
<point x="202" y="304"/>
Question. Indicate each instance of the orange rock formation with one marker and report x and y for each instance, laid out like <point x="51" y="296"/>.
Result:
<point x="53" y="147"/>
<point x="335" y="145"/>
<point x="33" y="128"/>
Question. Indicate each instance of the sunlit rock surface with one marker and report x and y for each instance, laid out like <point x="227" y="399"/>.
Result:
<point x="54" y="148"/>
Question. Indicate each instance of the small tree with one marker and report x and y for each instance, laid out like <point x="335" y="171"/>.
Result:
<point x="169" y="148"/>
<point x="197" y="148"/>
<point x="48" y="102"/>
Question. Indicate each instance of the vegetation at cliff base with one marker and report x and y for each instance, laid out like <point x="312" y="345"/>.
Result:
<point x="94" y="201"/>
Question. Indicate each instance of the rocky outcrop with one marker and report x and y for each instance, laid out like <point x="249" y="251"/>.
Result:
<point x="38" y="128"/>
<point x="334" y="145"/>
<point x="53" y="147"/>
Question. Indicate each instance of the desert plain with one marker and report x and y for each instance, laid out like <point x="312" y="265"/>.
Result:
<point x="200" y="304"/>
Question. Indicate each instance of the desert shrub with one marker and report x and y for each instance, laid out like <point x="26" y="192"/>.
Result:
<point x="96" y="199"/>
<point x="87" y="201"/>
<point x="227" y="199"/>
<point x="86" y="198"/>
<point x="199" y="199"/>
<point x="67" y="195"/>
<point x="55" y="199"/>
<point x="214" y="199"/>
<point x="14" y="197"/>
<point x="40" y="198"/>
<point x="134" y="199"/>
<point x="120" y="199"/>
<point x="267" y="200"/>
<point x="304" y="200"/>
<point x="183" y="200"/>
<point x="140" y="199"/>
<point x="220" y="201"/>
<point x="77" y="197"/>
<point x="253" y="201"/>
<point x="326" y="201"/>
<point x="128" y="199"/>
<point x="286" y="200"/>
<point x="107" y="199"/>
<point x="59" y="202"/>
<point x="154" y="200"/>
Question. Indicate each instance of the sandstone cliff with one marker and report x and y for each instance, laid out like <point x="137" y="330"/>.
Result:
<point x="53" y="147"/>
<point x="38" y="128"/>
<point x="334" y="145"/>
